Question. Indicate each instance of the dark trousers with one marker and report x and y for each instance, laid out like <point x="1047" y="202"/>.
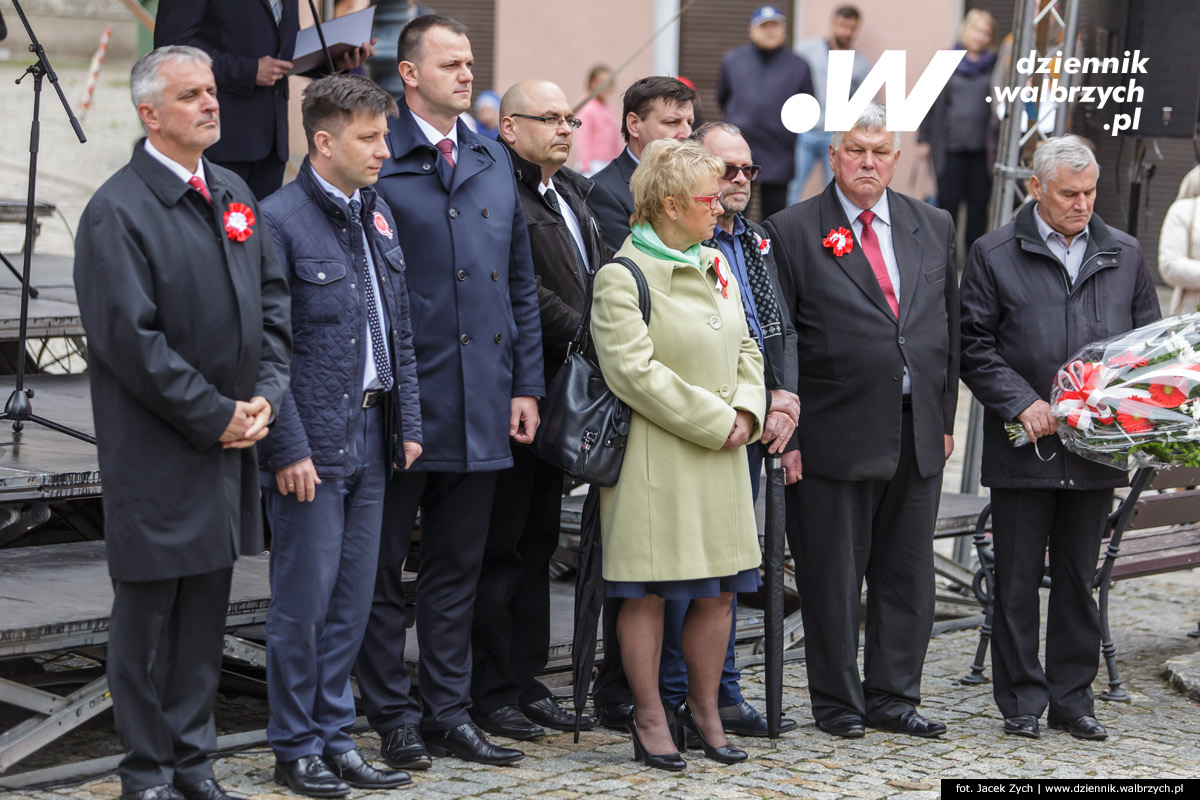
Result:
<point x="773" y="197"/>
<point x="164" y="663"/>
<point x="510" y="639"/>
<point x="323" y="563"/>
<point x="263" y="177"/>
<point x="881" y="531"/>
<point x="672" y="671"/>
<point x="455" y="509"/>
<point x="1024" y="523"/>
<point x="966" y="178"/>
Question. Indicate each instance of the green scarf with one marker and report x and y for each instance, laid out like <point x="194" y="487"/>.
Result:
<point x="648" y="242"/>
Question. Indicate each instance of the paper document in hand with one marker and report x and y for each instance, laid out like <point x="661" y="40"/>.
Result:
<point x="342" y="34"/>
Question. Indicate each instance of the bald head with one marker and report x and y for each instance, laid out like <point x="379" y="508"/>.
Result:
<point x="545" y="144"/>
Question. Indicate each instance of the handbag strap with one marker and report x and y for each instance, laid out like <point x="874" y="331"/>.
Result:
<point x="643" y="290"/>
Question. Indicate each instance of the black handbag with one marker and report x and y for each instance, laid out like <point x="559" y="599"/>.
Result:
<point x="584" y="426"/>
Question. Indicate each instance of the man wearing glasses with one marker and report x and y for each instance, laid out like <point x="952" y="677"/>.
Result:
<point x="510" y="639"/>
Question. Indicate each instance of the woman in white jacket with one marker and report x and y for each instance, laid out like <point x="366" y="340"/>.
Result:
<point x="1179" y="246"/>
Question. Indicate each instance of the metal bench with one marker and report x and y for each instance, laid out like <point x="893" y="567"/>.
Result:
<point x="1147" y="534"/>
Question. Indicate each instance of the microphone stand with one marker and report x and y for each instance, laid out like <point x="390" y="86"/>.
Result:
<point x="19" y="409"/>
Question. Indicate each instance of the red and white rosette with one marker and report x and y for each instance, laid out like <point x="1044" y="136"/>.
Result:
<point x="764" y="245"/>
<point x="239" y="222"/>
<point x="381" y="225"/>
<point x="839" y="240"/>
<point x="722" y="278"/>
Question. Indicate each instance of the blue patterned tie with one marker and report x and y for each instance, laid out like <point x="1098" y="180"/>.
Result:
<point x="276" y="9"/>
<point x="383" y="366"/>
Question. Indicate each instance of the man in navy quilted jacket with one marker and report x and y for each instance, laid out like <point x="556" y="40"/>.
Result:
<point x="351" y="418"/>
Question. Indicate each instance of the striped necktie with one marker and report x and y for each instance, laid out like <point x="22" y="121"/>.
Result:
<point x="276" y="9"/>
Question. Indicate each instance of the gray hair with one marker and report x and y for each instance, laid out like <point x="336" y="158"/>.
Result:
<point x="145" y="83"/>
<point x="872" y="120"/>
<point x="1068" y="151"/>
<point x="700" y="134"/>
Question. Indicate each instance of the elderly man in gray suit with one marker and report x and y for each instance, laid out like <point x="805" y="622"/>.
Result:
<point x="868" y="278"/>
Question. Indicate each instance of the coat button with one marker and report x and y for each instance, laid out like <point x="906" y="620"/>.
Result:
<point x="495" y="274"/>
<point x="454" y="213"/>
<point x="724" y="390"/>
<point x="345" y="397"/>
<point x="498" y="338"/>
<point x="425" y="167"/>
<point x="352" y="286"/>
<point x="320" y="276"/>
<point x="485" y="213"/>
<point x="462" y="274"/>
<point x="715" y="322"/>
<point x="383" y="278"/>
<point x="464" y="338"/>
<point x="1071" y="482"/>
<point x="896" y="376"/>
<point x="352" y="341"/>
<point x="402" y="262"/>
<point x="901" y="340"/>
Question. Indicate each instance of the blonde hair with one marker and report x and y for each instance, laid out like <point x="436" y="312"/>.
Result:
<point x="669" y="168"/>
<point x="979" y="15"/>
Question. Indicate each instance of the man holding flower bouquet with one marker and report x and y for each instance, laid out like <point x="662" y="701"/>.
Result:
<point x="1033" y="293"/>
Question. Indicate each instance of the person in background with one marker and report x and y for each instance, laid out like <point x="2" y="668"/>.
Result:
<point x="251" y="44"/>
<point x="679" y="523"/>
<point x="957" y="126"/>
<point x="598" y="140"/>
<point x="812" y="147"/>
<point x="755" y="81"/>
<point x="1033" y="293"/>
<point x="487" y="114"/>
<point x="1179" y="246"/>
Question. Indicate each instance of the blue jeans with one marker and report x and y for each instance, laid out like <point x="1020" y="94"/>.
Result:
<point x="323" y="561"/>
<point x="672" y="671"/>
<point x="812" y="149"/>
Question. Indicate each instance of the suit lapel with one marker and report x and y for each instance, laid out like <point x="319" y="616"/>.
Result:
<point x="854" y="263"/>
<point x="908" y="249"/>
<point x="235" y="252"/>
<point x="473" y="158"/>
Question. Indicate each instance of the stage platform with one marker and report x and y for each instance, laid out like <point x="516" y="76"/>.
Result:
<point x="53" y="313"/>
<point x="39" y="464"/>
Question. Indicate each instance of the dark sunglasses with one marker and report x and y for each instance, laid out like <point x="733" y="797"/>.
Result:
<point x="751" y="171"/>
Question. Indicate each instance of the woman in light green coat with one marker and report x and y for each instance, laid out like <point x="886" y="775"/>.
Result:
<point x="680" y="521"/>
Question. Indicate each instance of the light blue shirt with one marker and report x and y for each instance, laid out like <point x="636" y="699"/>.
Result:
<point x="1071" y="256"/>
<point x="882" y="225"/>
<point x="370" y="374"/>
<point x="731" y="247"/>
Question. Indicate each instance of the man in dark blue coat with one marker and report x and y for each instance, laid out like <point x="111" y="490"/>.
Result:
<point x="477" y="336"/>
<point x="352" y="415"/>
<point x="189" y="339"/>
<point x="251" y="43"/>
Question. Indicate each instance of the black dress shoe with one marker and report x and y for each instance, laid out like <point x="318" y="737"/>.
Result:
<point x="913" y="724"/>
<point x="614" y="716"/>
<point x="403" y="748"/>
<point x="508" y="721"/>
<point x="351" y="767"/>
<point x="468" y="743"/>
<point x="309" y="776"/>
<point x="1023" y="725"/>
<point x="164" y="792"/>
<point x="1082" y="728"/>
<point x="727" y="754"/>
<point x="670" y="762"/>
<point x="744" y="720"/>
<point x="845" y="724"/>
<point x="205" y="790"/>
<point x="549" y="714"/>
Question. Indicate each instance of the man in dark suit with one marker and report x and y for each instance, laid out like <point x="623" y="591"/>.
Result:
<point x="479" y="362"/>
<point x="251" y="43"/>
<point x="187" y="316"/>
<point x="655" y="108"/>
<point x="510" y="641"/>
<point x="1035" y="292"/>
<point x="868" y="277"/>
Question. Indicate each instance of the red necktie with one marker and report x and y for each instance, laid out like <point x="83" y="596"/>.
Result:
<point x="446" y="148"/>
<point x="870" y="246"/>
<point x="198" y="184"/>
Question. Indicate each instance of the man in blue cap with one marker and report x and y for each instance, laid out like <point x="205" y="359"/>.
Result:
<point x="755" y="81"/>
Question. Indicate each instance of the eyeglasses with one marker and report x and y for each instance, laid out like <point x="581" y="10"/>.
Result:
<point x="713" y="200"/>
<point x="750" y="171"/>
<point x="554" y="121"/>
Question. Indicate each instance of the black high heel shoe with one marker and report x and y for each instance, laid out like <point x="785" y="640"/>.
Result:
<point x="684" y="722"/>
<point x="671" y="762"/>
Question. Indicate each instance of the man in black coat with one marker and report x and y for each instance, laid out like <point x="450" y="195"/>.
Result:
<point x="510" y="640"/>
<point x="655" y="108"/>
<point x="755" y="81"/>
<point x="1034" y="293"/>
<point x="251" y="43"/>
<point x="868" y="278"/>
<point x="187" y="315"/>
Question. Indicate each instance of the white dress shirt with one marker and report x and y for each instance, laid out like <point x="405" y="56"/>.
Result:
<point x="568" y="217"/>
<point x="434" y="135"/>
<point x="175" y="166"/>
